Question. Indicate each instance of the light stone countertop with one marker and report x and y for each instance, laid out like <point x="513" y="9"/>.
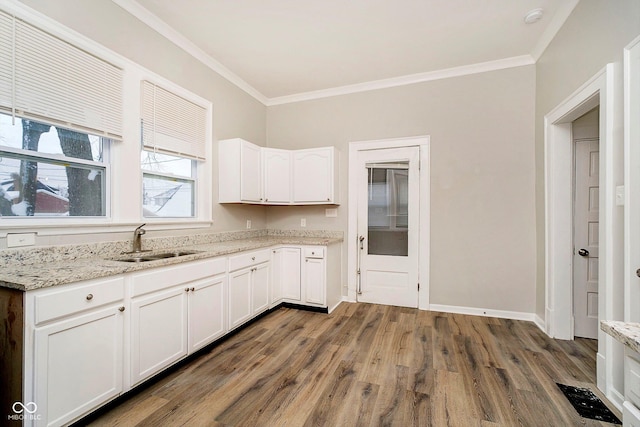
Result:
<point x="627" y="333"/>
<point x="22" y="271"/>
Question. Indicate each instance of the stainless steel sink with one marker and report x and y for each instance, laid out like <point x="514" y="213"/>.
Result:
<point x="155" y="257"/>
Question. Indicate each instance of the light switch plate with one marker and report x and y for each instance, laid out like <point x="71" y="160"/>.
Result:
<point x="331" y="213"/>
<point x="17" y="240"/>
<point x="248" y="224"/>
<point x="303" y="222"/>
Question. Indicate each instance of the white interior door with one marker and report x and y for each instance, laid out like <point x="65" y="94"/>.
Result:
<point x="388" y="220"/>
<point x="585" y="262"/>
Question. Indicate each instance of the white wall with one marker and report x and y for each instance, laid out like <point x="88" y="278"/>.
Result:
<point x="482" y="175"/>
<point x="594" y="35"/>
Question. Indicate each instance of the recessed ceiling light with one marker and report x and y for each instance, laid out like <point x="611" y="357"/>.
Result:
<point x="533" y="16"/>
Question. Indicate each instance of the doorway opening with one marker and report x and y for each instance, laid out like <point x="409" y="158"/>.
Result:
<point x="598" y="93"/>
<point x="586" y="214"/>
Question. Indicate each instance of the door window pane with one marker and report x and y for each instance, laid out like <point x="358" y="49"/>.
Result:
<point x="388" y="211"/>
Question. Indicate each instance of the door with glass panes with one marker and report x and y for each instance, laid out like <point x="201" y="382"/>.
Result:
<point x="388" y="219"/>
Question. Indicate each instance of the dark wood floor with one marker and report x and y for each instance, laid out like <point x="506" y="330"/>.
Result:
<point x="372" y="365"/>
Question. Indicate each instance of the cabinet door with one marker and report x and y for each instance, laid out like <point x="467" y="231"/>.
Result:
<point x="250" y="173"/>
<point x="207" y="315"/>
<point x="260" y="288"/>
<point x="277" y="175"/>
<point x="78" y="365"/>
<point x="239" y="297"/>
<point x="313" y="176"/>
<point x="289" y="273"/>
<point x="314" y="280"/>
<point x="158" y="331"/>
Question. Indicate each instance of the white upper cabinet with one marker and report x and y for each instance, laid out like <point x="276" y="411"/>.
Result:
<point x="314" y="176"/>
<point x="249" y="173"/>
<point x="240" y="171"/>
<point x="277" y="175"/>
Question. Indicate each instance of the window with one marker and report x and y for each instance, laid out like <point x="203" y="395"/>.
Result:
<point x="168" y="185"/>
<point x="50" y="171"/>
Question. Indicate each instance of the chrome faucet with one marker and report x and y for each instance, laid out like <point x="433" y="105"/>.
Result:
<point x="137" y="238"/>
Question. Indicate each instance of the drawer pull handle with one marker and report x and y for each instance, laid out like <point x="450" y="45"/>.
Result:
<point x="89" y="297"/>
<point x="121" y="309"/>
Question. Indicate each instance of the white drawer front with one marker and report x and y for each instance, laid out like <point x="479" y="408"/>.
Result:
<point x="56" y="303"/>
<point x="314" y="252"/>
<point x="247" y="259"/>
<point x="165" y="277"/>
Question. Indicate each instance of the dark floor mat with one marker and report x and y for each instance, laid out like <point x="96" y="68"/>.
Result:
<point x="588" y="404"/>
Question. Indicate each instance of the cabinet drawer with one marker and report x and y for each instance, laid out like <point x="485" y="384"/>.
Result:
<point x="56" y="303"/>
<point x="314" y="252"/>
<point x="632" y="380"/>
<point x="166" y="277"/>
<point x="247" y="259"/>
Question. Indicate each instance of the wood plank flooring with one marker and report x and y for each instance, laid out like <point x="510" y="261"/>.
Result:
<point x="372" y="365"/>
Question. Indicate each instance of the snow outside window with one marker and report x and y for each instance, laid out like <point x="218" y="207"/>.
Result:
<point x="50" y="171"/>
<point x="168" y="185"/>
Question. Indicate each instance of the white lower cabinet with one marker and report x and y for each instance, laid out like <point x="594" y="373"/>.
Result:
<point x="314" y="275"/>
<point x="77" y="349"/>
<point x="207" y="311"/>
<point x="169" y="320"/>
<point x="631" y="411"/>
<point x="158" y="331"/>
<point x="239" y="297"/>
<point x="299" y="275"/>
<point x="248" y="286"/>
<point x="285" y="274"/>
<point x="88" y="342"/>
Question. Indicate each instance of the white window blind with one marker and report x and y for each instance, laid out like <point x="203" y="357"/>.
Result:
<point x="172" y="124"/>
<point x="53" y="81"/>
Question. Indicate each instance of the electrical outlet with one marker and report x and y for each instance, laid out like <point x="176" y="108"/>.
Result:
<point x="248" y="224"/>
<point x="303" y="222"/>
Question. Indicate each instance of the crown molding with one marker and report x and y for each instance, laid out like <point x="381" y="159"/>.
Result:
<point x="562" y="14"/>
<point x="148" y="18"/>
<point x="482" y="67"/>
<point x="151" y="20"/>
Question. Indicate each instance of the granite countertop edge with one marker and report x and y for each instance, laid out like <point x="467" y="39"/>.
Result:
<point x="628" y="333"/>
<point x="27" y="277"/>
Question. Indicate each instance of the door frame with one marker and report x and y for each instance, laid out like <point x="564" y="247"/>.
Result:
<point x="423" y="142"/>
<point x="599" y="91"/>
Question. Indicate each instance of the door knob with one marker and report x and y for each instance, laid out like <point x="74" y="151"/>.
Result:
<point x="583" y="252"/>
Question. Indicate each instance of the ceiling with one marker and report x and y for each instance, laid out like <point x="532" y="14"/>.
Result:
<point x="282" y="49"/>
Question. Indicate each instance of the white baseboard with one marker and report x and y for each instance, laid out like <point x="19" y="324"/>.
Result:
<point x="473" y="311"/>
<point x="540" y="323"/>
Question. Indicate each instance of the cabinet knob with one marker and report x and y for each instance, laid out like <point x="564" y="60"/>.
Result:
<point x="253" y="258"/>
<point x="266" y="200"/>
<point x="186" y="289"/>
<point x="193" y="289"/>
<point x="89" y="297"/>
<point x="328" y="199"/>
<point x="121" y="309"/>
